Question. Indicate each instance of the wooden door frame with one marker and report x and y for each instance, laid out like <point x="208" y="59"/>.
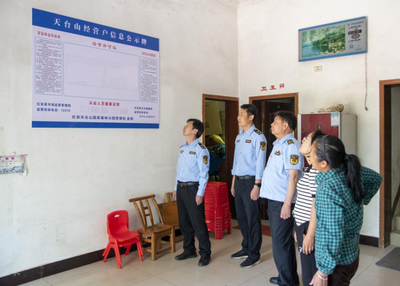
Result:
<point x="276" y="96"/>
<point x="216" y="97"/>
<point x="231" y="131"/>
<point x="294" y="95"/>
<point x="384" y="204"/>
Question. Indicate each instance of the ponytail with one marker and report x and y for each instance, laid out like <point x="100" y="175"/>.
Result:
<point x="331" y="149"/>
<point x="352" y="169"/>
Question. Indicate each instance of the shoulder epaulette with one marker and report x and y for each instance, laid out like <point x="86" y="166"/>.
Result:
<point x="290" y="141"/>
<point x="202" y="146"/>
<point x="257" y="131"/>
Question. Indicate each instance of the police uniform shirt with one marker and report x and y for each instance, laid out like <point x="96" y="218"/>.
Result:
<point x="193" y="165"/>
<point x="250" y="153"/>
<point x="285" y="156"/>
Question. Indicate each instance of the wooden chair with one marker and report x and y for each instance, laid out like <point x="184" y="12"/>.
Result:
<point x="169" y="212"/>
<point x="150" y="231"/>
<point x="168" y="197"/>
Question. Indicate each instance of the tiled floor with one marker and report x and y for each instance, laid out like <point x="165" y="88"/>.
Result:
<point x="221" y="271"/>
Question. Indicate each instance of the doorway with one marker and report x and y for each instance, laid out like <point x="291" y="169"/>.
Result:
<point x="266" y="107"/>
<point x="220" y="117"/>
<point x="389" y="159"/>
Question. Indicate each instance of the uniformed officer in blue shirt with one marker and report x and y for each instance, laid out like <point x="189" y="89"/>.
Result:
<point x="248" y="165"/>
<point x="190" y="184"/>
<point x="279" y="181"/>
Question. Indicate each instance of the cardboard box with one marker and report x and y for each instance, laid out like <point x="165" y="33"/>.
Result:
<point x="213" y="121"/>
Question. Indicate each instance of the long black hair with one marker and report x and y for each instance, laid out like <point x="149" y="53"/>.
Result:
<point x="331" y="149"/>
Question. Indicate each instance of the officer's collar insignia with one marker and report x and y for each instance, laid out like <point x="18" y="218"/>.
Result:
<point x="290" y="141"/>
<point x="278" y="153"/>
<point x="294" y="159"/>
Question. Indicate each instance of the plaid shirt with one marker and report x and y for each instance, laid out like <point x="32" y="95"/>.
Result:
<point x="339" y="218"/>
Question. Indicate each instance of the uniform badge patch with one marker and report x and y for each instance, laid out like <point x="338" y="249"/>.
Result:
<point x="205" y="159"/>
<point x="181" y="151"/>
<point x="294" y="159"/>
<point x="290" y="141"/>
<point x="278" y="153"/>
<point x="257" y="131"/>
<point x="263" y="145"/>
<point x="248" y="141"/>
<point x="202" y="146"/>
<point x="192" y="153"/>
<point x="237" y="141"/>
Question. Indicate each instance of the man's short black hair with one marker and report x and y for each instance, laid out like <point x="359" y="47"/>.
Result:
<point x="287" y="117"/>
<point x="250" y="109"/>
<point x="197" y="124"/>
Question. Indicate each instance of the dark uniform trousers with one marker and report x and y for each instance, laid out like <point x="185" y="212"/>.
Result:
<point x="308" y="265"/>
<point x="283" y="247"/>
<point x="192" y="220"/>
<point x="248" y="217"/>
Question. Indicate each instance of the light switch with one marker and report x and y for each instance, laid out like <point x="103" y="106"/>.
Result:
<point x="318" y="68"/>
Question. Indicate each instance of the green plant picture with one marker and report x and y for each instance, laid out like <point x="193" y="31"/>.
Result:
<point x="323" y="41"/>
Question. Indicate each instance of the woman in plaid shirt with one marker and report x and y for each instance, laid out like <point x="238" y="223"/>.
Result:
<point x="344" y="186"/>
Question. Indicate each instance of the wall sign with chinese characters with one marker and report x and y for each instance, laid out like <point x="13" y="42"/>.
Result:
<point x="333" y="40"/>
<point x="87" y="75"/>
<point x="273" y="87"/>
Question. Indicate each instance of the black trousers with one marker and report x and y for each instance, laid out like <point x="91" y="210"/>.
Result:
<point x="248" y="217"/>
<point x="283" y="247"/>
<point x="342" y="274"/>
<point x="308" y="264"/>
<point x="192" y="220"/>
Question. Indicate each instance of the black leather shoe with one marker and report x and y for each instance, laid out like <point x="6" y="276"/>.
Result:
<point x="185" y="255"/>
<point x="204" y="261"/>
<point x="273" y="280"/>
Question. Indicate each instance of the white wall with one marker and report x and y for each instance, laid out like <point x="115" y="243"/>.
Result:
<point x="395" y="107"/>
<point x="77" y="176"/>
<point x="268" y="54"/>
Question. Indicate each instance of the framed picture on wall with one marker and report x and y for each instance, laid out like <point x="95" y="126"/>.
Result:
<point x="337" y="39"/>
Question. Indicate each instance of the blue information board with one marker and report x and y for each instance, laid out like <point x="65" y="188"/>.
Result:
<point x="87" y="75"/>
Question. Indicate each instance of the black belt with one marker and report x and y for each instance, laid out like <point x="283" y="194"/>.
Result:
<point x="187" y="184"/>
<point x="245" y="177"/>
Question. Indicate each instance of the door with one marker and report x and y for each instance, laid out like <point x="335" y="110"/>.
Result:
<point x="220" y="116"/>
<point x="266" y="107"/>
<point x="389" y="156"/>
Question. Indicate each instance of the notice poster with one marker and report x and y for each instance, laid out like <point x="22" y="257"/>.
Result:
<point x="87" y="75"/>
<point x="335" y="119"/>
<point x="13" y="164"/>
